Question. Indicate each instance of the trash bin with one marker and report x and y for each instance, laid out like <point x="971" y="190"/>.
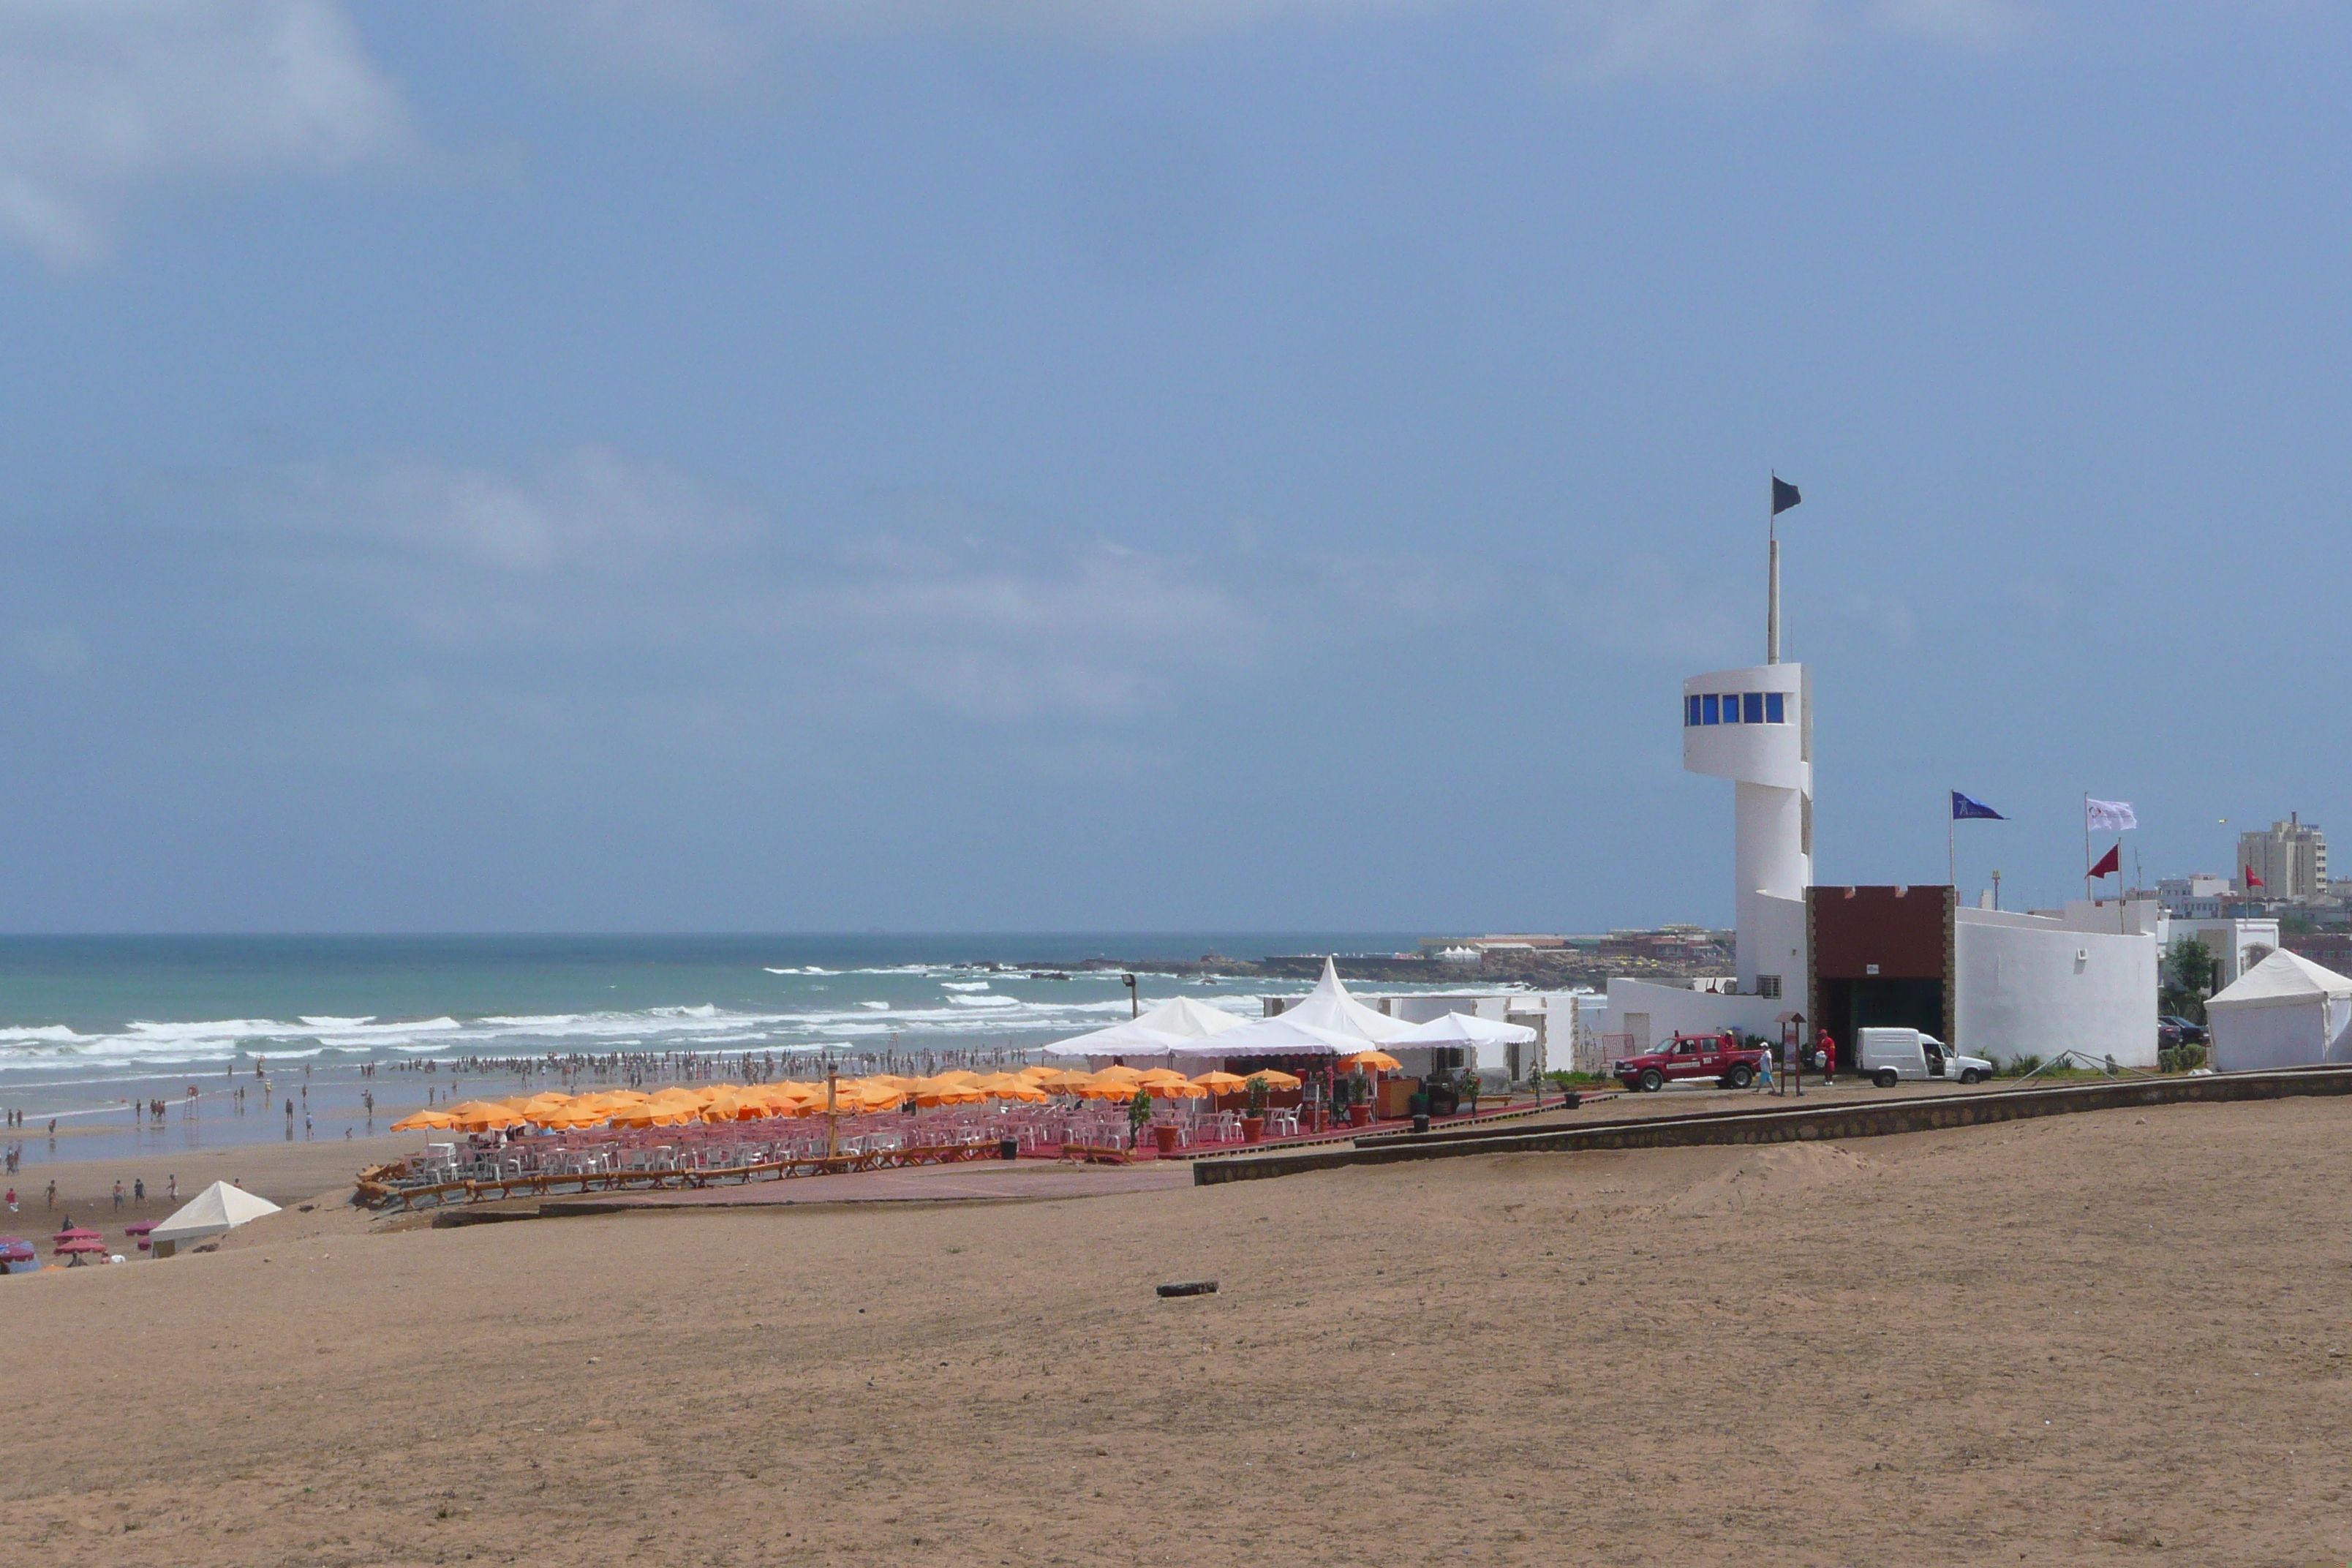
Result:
<point x="1008" y="1148"/>
<point x="1572" y="1102"/>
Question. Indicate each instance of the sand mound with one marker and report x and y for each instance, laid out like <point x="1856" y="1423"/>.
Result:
<point x="1765" y="1174"/>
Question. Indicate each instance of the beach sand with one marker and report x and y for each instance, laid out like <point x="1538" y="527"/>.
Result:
<point x="2092" y="1339"/>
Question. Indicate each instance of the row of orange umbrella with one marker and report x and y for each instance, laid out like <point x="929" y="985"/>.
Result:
<point x="886" y="1091"/>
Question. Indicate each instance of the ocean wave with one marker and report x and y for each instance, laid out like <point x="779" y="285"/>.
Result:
<point x="963" y="984"/>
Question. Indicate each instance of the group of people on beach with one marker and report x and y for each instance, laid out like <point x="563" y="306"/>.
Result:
<point x="136" y="1197"/>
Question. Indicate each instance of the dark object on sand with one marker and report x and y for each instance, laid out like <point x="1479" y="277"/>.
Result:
<point x="1191" y="1287"/>
<point x="1008" y="1148"/>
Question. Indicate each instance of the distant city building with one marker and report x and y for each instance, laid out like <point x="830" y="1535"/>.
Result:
<point x="2290" y="860"/>
<point x="2199" y="895"/>
<point x="2328" y="948"/>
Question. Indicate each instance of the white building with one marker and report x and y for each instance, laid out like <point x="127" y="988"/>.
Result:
<point x="2184" y="895"/>
<point x="2237" y="945"/>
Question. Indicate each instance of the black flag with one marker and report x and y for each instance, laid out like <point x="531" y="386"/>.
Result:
<point x="1784" y="495"/>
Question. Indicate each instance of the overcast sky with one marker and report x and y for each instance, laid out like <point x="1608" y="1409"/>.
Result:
<point x="1146" y="464"/>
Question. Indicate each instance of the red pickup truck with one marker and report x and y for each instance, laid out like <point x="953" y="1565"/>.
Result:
<point x="1719" y="1057"/>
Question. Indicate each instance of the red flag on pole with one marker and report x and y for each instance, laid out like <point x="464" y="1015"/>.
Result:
<point x="2254" y="882"/>
<point x="2111" y="864"/>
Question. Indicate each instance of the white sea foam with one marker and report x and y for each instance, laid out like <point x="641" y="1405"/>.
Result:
<point x="877" y="1006"/>
<point x="963" y="984"/>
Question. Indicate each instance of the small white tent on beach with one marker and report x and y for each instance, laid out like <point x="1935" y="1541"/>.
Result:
<point x="2285" y="1012"/>
<point x="1485" y="1041"/>
<point x="217" y="1210"/>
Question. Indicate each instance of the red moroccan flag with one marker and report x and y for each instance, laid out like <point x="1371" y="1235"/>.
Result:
<point x="2253" y="880"/>
<point x="2111" y="864"/>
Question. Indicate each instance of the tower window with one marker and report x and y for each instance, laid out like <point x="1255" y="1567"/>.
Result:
<point x="1690" y="709"/>
<point x="1751" y="707"/>
<point x="1731" y="708"/>
<point x="1775" y="709"/>
<point x="1708" y="708"/>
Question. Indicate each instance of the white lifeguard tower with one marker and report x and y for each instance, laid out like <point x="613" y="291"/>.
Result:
<point x="1754" y="727"/>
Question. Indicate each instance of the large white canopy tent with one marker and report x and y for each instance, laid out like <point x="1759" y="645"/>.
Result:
<point x="1483" y="1038"/>
<point x="1283" y="1036"/>
<point x="217" y="1210"/>
<point x="1156" y="1032"/>
<point x="2285" y="1012"/>
<point x="1329" y="1006"/>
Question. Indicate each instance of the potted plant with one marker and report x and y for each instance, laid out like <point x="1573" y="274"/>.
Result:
<point x="1360" y="1101"/>
<point x="1253" y="1108"/>
<point x="1470" y="1091"/>
<point x="1139" y="1117"/>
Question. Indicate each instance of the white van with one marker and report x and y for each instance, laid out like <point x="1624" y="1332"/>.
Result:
<point x="1889" y="1055"/>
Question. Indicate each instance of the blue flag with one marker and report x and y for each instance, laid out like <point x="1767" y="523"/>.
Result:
<point x="1964" y="810"/>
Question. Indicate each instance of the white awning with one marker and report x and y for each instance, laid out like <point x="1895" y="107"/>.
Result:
<point x="217" y="1210"/>
<point x="1465" y="1030"/>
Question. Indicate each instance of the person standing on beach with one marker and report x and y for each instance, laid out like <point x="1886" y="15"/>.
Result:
<point x="139" y="1191"/>
<point x="53" y="1192"/>
<point x="118" y="1195"/>
<point x="172" y="1189"/>
<point x="12" y="1200"/>
<point x="1764" y="1071"/>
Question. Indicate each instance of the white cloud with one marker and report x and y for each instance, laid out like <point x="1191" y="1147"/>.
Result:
<point x="99" y="97"/>
<point x="593" y="554"/>
<point x="706" y="41"/>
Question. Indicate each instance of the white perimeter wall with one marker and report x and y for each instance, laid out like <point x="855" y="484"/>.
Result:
<point x="1671" y="1009"/>
<point x="2027" y="985"/>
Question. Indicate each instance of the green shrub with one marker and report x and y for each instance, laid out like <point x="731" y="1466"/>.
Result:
<point x="2017" y="1066"/>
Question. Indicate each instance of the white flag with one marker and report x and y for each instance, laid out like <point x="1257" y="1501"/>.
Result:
<point x="2110" y="815"/>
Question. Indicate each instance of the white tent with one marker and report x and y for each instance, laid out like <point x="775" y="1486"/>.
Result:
<point x="1279" y="1036"/>
<point x="1156" y="1032"/>
<point x="1329" y="1006"/>
<point x="217" y="1210"/>
<point x="2285" y="1012"/>
<point x="1465" y="1030"/>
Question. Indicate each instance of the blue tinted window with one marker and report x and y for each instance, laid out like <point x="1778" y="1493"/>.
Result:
<point x="1751" y="707"/>
<point x="1775" y="711"/>
<point x="1690" y="714"/>
<point x="1707" y="710"/>
<point x="1731" y="708"/>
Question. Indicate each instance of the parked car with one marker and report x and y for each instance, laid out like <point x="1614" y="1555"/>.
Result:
<point x="1721" y="1057"/>
<point x="1890" y="1055"/>
<point x="2172" y="1031"/>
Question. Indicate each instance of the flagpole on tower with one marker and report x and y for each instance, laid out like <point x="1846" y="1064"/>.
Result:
<point x="1772" y="602"/>
<point x="2086" y="847"/>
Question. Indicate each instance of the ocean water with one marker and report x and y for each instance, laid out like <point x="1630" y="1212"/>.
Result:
<point x="91" y="1028"/>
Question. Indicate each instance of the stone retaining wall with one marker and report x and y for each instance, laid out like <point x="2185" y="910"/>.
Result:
<point x="1840" y="1122"/>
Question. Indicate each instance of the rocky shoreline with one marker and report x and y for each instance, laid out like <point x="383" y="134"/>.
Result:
<point x="1537" y="969"/>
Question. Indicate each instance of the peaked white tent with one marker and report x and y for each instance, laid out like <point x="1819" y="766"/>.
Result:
<point x="1465" y="1030"/>
<point x="1156" y="1032"/>
<point x="1283" y="1036"/>
<point x="1329" y="1006"/>
<point x="2285" y="1012"/>
<point x="217" y="1210"/>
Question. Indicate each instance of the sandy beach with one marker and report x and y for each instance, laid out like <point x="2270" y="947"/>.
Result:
<point x="2108" y="1338"/>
